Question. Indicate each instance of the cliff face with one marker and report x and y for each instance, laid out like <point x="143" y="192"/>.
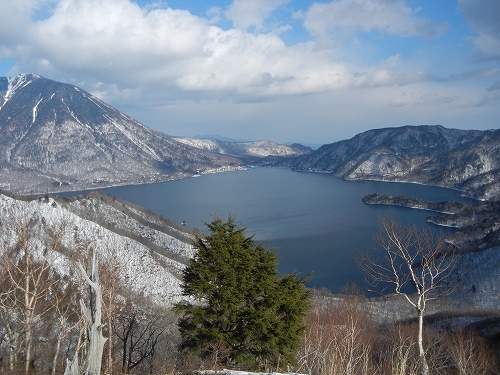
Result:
<point x="468" y="160"/>
<point x="55" y="136"/>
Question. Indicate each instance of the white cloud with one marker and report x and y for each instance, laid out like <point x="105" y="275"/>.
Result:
<point x="484" y="17"/>
<point x="349" y="16"/>
<point x="115" y="41"/>
<point x="171" y="69"/>
<point x="246" y="13"/>
<point x="429" y="98"/>
<point x="125" y="47"/>
<point x="15" y="16"/>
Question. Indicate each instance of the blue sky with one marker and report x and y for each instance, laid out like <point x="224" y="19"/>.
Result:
<point x="284" y="70"/>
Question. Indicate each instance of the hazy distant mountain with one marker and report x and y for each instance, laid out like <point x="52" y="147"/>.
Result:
<point x="57" y="136"/>
<point x="468" y="160"/>
<point x="219" y="137"/>
<point x="246" y="150"/>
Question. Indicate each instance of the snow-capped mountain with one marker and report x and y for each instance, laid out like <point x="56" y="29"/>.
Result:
<point x="56" y="136"/>
<point x="468" y="160"/>
<point x="253" y="150"/>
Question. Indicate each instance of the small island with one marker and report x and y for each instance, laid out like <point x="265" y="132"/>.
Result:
<point x="478" y="223"/>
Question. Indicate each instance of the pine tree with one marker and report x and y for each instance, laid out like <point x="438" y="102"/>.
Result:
<point x="240" y="308"/>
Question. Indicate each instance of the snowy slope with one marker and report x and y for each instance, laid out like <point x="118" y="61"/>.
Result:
<point x="467" y="160"/>
<point x="145" y="272"/>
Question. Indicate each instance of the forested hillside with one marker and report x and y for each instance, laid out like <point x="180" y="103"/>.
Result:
<point x="58" y="137"/>
<point x="467" y="160"/>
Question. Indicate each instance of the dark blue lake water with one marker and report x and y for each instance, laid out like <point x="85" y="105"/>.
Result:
<point x="315" y="222"/>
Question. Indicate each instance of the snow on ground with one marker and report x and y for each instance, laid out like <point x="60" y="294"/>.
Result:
<point x="143" y="271"/>
<point x="119" y="217"/>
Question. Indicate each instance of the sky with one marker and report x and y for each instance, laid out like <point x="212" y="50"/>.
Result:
<point x="282" y="70"/>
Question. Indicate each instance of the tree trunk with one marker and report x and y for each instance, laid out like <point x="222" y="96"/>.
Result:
<point x="12" y="344"/>
<point x="93" y="316"/>
<point x="421" y="352"/>
<point x="54" y="360"/>
<point x="28" y="349"/>
<point x="72" y="367"/>
<point x="28" y="303"/>
<point x="110" y="348"/>
<point x="109" y="311"/>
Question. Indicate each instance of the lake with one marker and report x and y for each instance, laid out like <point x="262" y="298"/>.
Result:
<point x="315" y="222"/>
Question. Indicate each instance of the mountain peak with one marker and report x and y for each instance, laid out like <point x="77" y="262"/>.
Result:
<point x="56" y="136"/>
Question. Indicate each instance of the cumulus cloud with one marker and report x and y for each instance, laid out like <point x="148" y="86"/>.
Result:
<point x="158" y="63"/>
<point x="15" y="16"/>
<point x="246" y="13"/>
<point x="348" y="16"/>
<point x="116" y="41"/>
<point x="484" y="17"/>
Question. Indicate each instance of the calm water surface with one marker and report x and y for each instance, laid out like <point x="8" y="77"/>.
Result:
<point x="315" y="222"/>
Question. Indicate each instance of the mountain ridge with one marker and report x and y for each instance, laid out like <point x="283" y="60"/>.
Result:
<point x="247" y="150"/>
<point x="56" y="136"/>
<point x="467" y="160"/>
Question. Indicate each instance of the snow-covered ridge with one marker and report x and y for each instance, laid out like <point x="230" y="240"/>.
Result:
<point x="253" y="149"/>
<point x="466" y="160"/>
<point x="14" y="84"/>
<point x="120" y="238"/>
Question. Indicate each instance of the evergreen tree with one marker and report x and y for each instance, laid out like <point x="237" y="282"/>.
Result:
<point x="240" y="307"/>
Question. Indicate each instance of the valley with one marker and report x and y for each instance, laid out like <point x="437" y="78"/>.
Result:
<point x="60" y="146"/>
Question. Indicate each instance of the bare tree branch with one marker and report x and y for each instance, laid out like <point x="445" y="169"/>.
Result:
<point x="411" y="263"/>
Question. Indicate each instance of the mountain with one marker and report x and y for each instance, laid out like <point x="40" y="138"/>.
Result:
<point x="251" y="151"/>
<point x="56" y="136"/>
<point x="467" y="160"/>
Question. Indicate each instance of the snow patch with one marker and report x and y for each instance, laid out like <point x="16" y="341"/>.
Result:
<point x="35" y="110"/>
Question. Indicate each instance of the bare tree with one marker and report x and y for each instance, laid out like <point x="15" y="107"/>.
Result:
<point x="397" y="350"/>
<point x="338" y="338"/>
<point x="139" y="334"/>
<point x="470" y="353"/>
<point x="93" y="315"/>
<point x="411" y="263"/>
<point x="65" y="318"/>
<point x="111" y="275"/>
<point x="27" y="276"/>
<point x="73" y="365"/>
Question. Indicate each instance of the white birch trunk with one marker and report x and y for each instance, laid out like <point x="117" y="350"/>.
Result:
<point x="72" y="366"/>
<point x="421" y="351"/>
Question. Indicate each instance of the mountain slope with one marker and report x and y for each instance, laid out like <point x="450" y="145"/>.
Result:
<point x="254" y="150"/>
<point x="468" y="160"/>
<point x="150" y="251"/>
<point x="55" y="135"/>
